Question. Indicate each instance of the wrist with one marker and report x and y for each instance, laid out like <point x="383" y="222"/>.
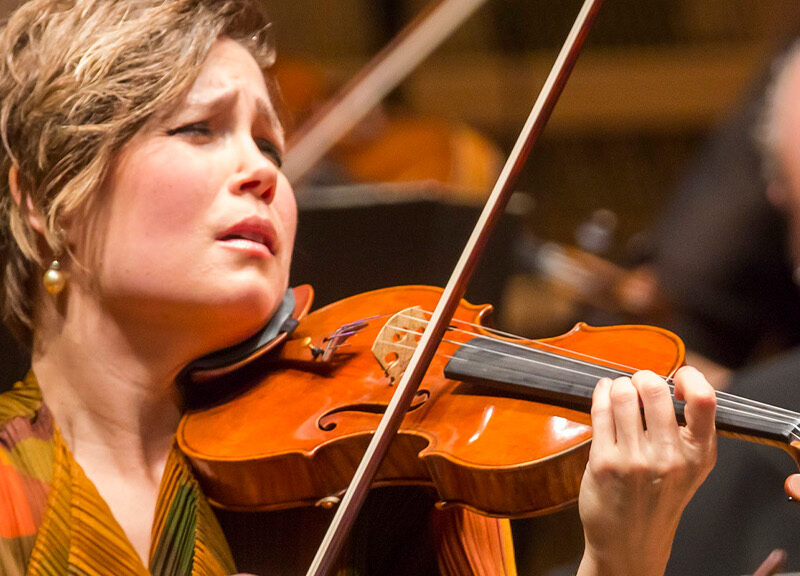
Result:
<point x="642" y="563"/>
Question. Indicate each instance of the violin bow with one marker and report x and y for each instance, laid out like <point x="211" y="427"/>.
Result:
<point x="409" y="383"/>
<point x="379" y="77"/>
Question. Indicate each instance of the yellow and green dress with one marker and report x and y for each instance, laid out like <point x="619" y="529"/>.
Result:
<point x="54" y="522"/>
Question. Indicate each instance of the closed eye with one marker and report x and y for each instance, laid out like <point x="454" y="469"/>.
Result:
<point x="270" y="150"/>
<point x="197" y="128"/>
<point x="203" y="129"/>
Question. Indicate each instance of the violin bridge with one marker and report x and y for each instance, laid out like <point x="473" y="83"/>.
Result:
<point x="397" y="341"/>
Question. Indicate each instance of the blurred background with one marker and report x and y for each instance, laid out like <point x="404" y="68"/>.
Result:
<point x="642" y="202"/>
<point x="657" y="81"/>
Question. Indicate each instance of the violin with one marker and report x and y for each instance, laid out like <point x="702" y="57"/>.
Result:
<point x="499" y="426"/>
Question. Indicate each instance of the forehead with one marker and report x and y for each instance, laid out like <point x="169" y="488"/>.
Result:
<point x="228" y="61"/>
<point x="230" y="72"/>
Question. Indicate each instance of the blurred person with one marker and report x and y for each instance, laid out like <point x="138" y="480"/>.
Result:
<point x="720" y="255"/>
<point x="741" y="513"/>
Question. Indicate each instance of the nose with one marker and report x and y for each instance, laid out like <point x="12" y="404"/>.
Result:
<point x="257" y="174"/>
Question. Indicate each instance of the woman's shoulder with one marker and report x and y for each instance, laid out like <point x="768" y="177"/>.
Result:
<point x="26" y="427"/>
<point x="26" y="471"/>
<point x="22" y="400"/>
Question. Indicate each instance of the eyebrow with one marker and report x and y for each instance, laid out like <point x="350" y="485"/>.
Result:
<point x="265" y="110"/>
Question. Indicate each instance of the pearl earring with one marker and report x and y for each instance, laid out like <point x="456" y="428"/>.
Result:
<point x="54" y="279"/>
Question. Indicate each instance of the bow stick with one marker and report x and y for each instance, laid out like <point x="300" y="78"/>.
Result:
<point x="401" y="400"/>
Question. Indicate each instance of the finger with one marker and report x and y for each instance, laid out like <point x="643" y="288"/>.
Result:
<point x="628" y="424"/>
<point x="701" y="403"/>
<point x="659" y="411"/>
<point x="602" y="418"/>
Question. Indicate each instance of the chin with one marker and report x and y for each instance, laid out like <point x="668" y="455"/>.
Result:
<point x="249" y="311"/>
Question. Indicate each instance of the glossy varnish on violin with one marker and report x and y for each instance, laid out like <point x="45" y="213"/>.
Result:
<point x="296" y="438"/>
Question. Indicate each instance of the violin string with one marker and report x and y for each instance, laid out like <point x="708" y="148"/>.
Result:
<point x="729" y="401"/>
<point x="732" y="407"/>
<point x="723" y="399"/>
<point x="732" y="403"/>
<point x="628" y="370"/>
<point x="556" y="351"/>
<point x="756" y="404"/>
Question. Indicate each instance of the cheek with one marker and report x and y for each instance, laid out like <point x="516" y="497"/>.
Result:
<point x="287" y="211"/>
<point x="151" y="223"/>
<point x="159" y="201"/>
<point x="284" y="208"/>
<point x="165" y="197"/>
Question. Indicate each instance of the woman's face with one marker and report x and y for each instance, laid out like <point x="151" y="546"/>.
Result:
<point x="197" y="223"/>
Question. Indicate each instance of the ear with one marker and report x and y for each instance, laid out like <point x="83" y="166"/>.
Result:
<point x="35" y="218"/>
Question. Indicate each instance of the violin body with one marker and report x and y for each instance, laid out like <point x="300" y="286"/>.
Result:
<point x="297" y="435"/>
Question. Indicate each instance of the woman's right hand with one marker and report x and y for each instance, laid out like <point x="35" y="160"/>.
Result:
<point x="640" y="478"/>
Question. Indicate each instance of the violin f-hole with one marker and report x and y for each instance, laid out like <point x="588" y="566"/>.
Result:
<point x="329" y="421"/>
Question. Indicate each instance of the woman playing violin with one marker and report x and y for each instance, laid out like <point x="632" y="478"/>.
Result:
<point x="145" y="223"/>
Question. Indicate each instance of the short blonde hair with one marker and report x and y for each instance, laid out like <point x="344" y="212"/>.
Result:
<point x="78" y="78"/>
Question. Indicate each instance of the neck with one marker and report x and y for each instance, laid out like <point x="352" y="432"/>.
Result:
<point x="110" y="388"/>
